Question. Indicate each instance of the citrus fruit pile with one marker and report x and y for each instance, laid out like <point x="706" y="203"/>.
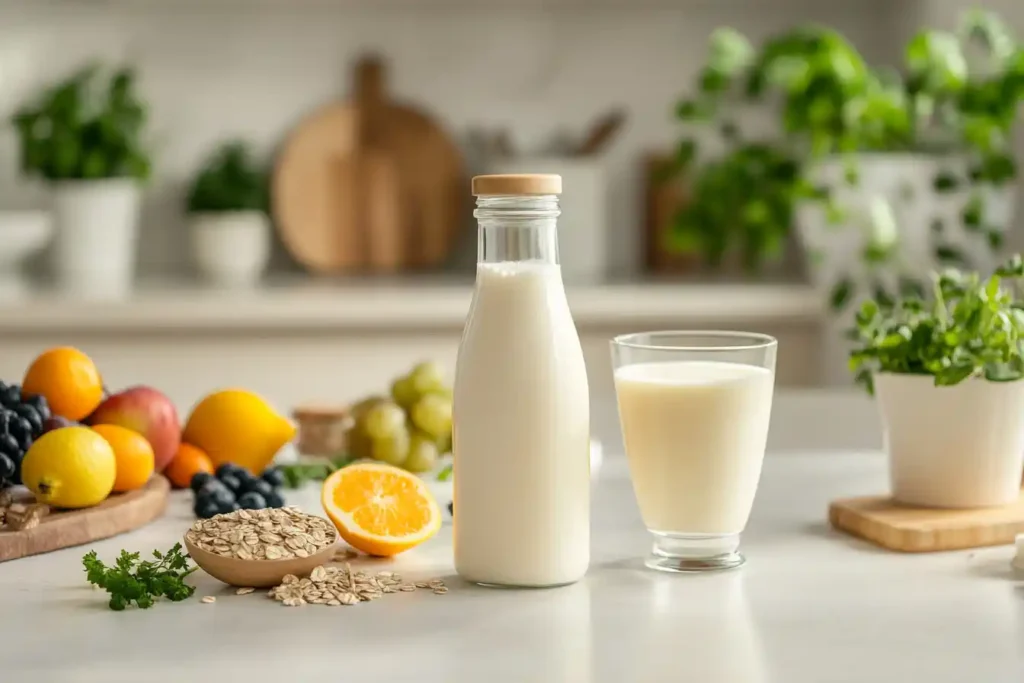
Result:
<point x="73" y="443"/>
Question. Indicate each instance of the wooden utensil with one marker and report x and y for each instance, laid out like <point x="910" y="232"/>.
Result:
<point x="119" y="513"/>
<point x="882" y="521"/>
<point x="368" y="184"/>
<point x="256" y="573"/>
<point x="602" y="133"/>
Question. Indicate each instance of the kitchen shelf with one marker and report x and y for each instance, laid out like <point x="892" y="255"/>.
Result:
<point x="397" y="304"/>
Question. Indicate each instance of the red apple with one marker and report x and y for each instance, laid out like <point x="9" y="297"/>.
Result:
<point x="148" y="412"/>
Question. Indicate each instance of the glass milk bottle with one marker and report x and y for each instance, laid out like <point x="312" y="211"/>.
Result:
<point x="521" y="433"/>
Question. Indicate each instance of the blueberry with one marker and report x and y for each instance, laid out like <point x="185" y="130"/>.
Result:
<point x="10" y="396"/>
<point x="245" y="480"/>
<point x="274" y="499"/>
<point x="274" y="476"/>
<point x="41" y="405"/>
<point x="228" y="468"/>
<point x="252" y="501"/>
<point x="199" y="480"/>
<point x="205" y="508"/>
<point x="56" y="422"/>
<point x="261" y="487"/>
<point x="7" y="468"/>
<point x="231" y="482"/>
<point x="27" y="412"/>
<point x="9" y="445"/>
<point x="217" y="492"/>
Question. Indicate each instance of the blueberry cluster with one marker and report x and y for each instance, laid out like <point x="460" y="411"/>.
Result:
<point x="22" y="421"/>
<point x="232" y="488"/>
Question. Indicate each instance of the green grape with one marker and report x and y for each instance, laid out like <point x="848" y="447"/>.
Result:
<point x="382" y="420"/>
<point x="359" y="409"/>
<point x="404" y="393"/>
<point x="427" y="378"/>
<point x="444" y="444"/>
<point x="433" y="415"/>
<point x="393" y="449"/>
<point x="423" y="454"/>
<point x="358" y="443"/>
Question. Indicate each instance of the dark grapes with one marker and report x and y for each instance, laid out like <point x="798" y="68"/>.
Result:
<point x="252" y="501"/>
<point x="57" y="422"/>
<point x="7" y="468"/>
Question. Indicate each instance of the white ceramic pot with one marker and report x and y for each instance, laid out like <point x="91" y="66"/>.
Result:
<point x="953" y="447"/>
<point x="231" y="248"/>
<point x="97" y="228"/>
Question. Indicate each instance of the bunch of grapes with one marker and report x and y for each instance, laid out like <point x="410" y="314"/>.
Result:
<point x="410" y="429"/>
<point x="22" y="421"/>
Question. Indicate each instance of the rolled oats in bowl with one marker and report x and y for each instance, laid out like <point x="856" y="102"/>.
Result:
<point x="269" y="534"/>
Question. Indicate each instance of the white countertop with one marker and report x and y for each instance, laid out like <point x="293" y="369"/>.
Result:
<point x="810" y="606"/>
<point x="408" y="303"/>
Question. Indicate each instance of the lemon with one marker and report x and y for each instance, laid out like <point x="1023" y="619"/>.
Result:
<point x="238" y="426"/>
<point x="73" y="467"/>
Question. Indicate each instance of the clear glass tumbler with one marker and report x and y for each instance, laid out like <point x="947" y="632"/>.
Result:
<point x="694" y="409"/>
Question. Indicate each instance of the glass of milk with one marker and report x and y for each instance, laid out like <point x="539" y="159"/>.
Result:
<point x="694" y="409"/>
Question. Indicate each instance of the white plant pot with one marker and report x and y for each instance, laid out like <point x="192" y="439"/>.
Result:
<point x="906" y="182"/>
<point x="231" y="248"/>
<point x="952" y="447"/>
<point x="97" y="228"/>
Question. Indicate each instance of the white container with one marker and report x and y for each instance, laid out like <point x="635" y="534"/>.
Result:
<point x="952" y="447"/>
<point x="23" y="234"/>
<point x="231" y="248"/>
<point x="905" y="182"/>
<point x="521" y="431"/>
<point x="583" y="226"/>
<point x="96" y="240"/>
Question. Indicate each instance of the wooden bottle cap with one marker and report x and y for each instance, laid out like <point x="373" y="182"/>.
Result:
<point x="517" y="183"/>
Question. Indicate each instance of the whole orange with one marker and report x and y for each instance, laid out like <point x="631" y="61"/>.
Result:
<point x="68" y="379"/>
<point x="187" y="462"/>
<point x="132" y="453"/>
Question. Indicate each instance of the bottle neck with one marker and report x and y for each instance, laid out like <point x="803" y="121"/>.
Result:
<point x="517" y="228"/>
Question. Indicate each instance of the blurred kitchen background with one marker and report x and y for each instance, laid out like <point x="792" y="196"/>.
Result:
<point x="366" y="120"/>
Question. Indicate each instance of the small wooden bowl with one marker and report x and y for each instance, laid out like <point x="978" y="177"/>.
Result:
<point x="257" y="573"/>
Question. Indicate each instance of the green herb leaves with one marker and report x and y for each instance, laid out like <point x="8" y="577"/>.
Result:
<point x="231" y="180"/>
<point x="970" y="328"/>
<point x="85" y="128"/>
<point x="132" y="580"/>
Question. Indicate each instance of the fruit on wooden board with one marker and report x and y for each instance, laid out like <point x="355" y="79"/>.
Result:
<point x="187" y="462"/>
<point x="22" y="421"/>
<point x="238" y="426"/>
<point x="146" y="411"/>
<point x="68" y="379"/>
<point x="132" y="454"/>
<point x="73" y="467"/>
<point x="380" y="509"/>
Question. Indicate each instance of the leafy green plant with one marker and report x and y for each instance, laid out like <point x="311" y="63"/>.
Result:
<point x="132" y="580"/>
<point x="971" y="327"/>
<point x="830" y="104"/>
<point x="230" y="180"/>
<point x="87" y="127"/>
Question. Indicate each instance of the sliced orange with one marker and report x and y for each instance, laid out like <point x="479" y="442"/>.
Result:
<point x="380" y="509"/>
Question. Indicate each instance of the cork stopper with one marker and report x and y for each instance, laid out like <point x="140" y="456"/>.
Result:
<point x="517" y="184"/>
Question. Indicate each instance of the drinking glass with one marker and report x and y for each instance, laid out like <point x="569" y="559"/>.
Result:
<point x="694" y="408"/>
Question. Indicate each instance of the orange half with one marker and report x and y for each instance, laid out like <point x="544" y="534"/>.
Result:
<point x="380" y="509"/>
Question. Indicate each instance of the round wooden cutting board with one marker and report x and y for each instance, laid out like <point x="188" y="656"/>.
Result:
<point x="368" y="185"/>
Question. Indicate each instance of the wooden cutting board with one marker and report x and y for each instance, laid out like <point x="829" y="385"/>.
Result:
<point x="368" y="185"/>
<point x="65" y="528"/>
<point x="920" y="530"/>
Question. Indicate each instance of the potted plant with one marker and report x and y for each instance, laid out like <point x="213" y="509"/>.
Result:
<point x="949" y="376"/>
<point x="83" y="137"/>
<point x="887" y="175"/>
<point x="227" y="207"/>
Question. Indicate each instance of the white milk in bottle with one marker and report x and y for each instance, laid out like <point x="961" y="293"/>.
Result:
<point x="521" y="432"/>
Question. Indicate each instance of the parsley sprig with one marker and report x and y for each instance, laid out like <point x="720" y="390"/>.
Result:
<point x="971" y="327"/>
<point x="132" y="580"/>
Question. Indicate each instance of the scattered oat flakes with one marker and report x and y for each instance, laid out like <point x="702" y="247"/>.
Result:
<point x="209" y="599"/>
<point x="245" y="591"/>
<point x="336" y="586"/>
<point x="269" y="534"/>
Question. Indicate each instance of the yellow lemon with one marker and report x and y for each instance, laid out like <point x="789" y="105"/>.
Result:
<point x="239" y="427"/>
<point x="73" y="467"/>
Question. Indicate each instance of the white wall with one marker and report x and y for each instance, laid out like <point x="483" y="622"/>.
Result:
<point x="228" y="67"/>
